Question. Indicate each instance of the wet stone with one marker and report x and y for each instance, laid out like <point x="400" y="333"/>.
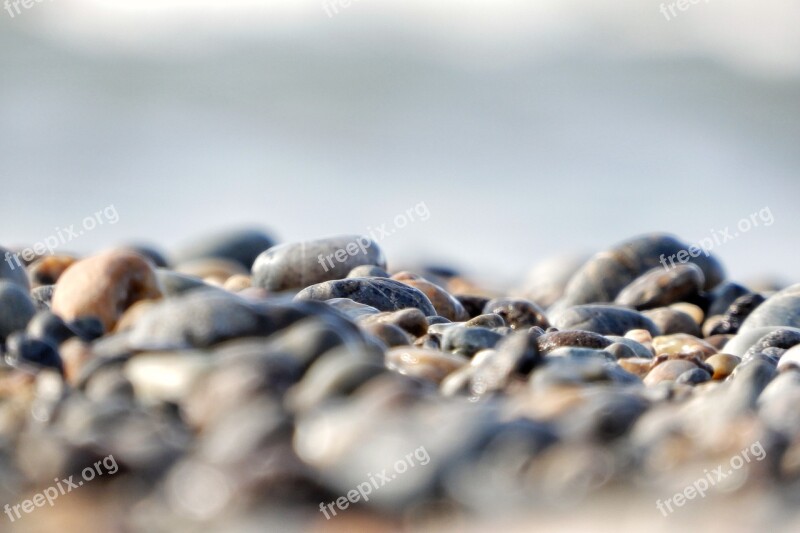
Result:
<point x="382" y="294"/>
<point x="578" y="338"/>
<point x="468" y="341"/>
<point x="517" y="312"/>
<point x="659" y="287"/>
<point x="301" y="264"/>
<point x="490" y="321"/>
<point x="604" y="319"/>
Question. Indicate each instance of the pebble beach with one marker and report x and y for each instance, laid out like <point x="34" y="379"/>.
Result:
<point x="241" y="384"/>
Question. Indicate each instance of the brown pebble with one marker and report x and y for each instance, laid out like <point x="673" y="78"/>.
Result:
<point x="638" y="366"/>
<point x="681" y="343"/>
<point x="75" y="353"/>
<point x="445" y="303"/>
<point x="389" y="333"/>
<point x="104" y="286"/>
<point x="641" y="336"/>
<point x="46" y="270"/>
<point x="238" y="282"/>
<point x="668" y="371"/>
<point x="692" y="310"/>
<point x="723" y="364"/>
<point x="424" y="363"/>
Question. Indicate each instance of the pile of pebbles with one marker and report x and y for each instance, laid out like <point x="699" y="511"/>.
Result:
<point x="243" y="384"/>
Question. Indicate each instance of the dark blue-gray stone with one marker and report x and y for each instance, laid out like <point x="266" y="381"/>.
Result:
<point x="469" y="341"/>
<point x="16" y="308"/>
<point x="241" y="246"/>
<point x="604" y="319"/>
<point x="382" y="294"/>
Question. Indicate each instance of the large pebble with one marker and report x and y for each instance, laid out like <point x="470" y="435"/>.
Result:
<point x="603" y="277"/>
<point x="660" y="287"/>
<point x="445" y="304"/>
<point x="469" y="341"/>
<point x="241" y="246"/>
<point x="780" y="309"/>
<point x="671" y="320"/>
<point x="299" y="264"/>
<point x="604" y="319"/>
<point x="668" y="371"/>
<point x="517" y="312"/>
<point x="382" y="294"/>
<point x="578" y="338"/>
<point x="104" y="286"/>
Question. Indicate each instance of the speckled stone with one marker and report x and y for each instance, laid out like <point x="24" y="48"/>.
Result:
<point x="382" y="294"/>
<point x="659" y="287"/>
<point x="517" y="312"/>
<point x="736" y="314"/>
<point x="300" y="264"/>
<point x="781" y="339"/>
<point x="104" y="286"/>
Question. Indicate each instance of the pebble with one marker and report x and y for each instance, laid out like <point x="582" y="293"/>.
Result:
<point x="28" y="353"/>
<point x="668" y="371"/>
<point x="47" y="270"/>
<point x="411" y="320"/>
<point x="432" y="365"/>
<point x="368" y="271"/>
<point x="16" y="308"/>
<point x="517" y="312"/>
<point x="723" y="364"/>
<point x="579" y="338"/>
<point x="733" y="318"/>
<point x="241" y="246"/>
<point x="681" y="343"/>
<point x="604" y="319"/>
<point x="489" y="320"/>
<point x="790" y="359"/>
<point x="659" y="287"/>
<point x="468" y="341"/>
<point x="49" y="327"/>
<point x="670" y="320"/>
<point x="780" y="309"/>
<point x="694" y="377"/>
<point x="603" y="276"/>
<point x="298" y="265"/>
<point x="382" y="294"/>
<point x="12" y="272"/>
<point x="104" y="286"/>
<point x="741" y="343"/>
<point x="472" y="304"/>
<point x="214" y="271"/>
<point x="353" y="310"/>
<point x="445" y="304"/>
<point x="547" y="280"/>
<point x="781" y="338"/>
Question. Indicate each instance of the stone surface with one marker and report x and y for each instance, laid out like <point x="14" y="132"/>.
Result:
<point x="604" y="319"/>
<point x="382" y="294"/>
<point x="660" y="287"/>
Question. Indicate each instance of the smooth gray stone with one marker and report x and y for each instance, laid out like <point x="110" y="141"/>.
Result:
<point x="780" y="309"/>
<point x="297" y="265"/>
<point x="745" y="339"/>
<point x="604" y="319"/>
<point x="382" y="294"/>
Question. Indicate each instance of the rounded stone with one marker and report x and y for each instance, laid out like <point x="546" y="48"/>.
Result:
<point x="733" y="318"/>
<point x="723" y="364"/>
<point x="12" y="269"/>
<point x="382" y="294"/>
<point x="604" y="319"/>
<point x="472" y="304"/>
<point x="603" y="276"/>
<point x="694" y="311"/>
<point x="517" y="312"/>
<point x="104" y="286"/>
<point x="681" y="343"/>
<point x="577" y="338"/>
<point x="410" y="320"/>
<point x="240" y="245"/>
<point x="300" y="264"/>
<point x="16" y="308"/>
<point x="212" y="270"/>
<point x="660" y="287"/>
<point x="445" y="304"/>
<point x="746" y="338"/>
<point x="238" y="283"/>
<point x="490" y="320"/>
<point x="780" y="309"/>
<point x="27" y="353"/>
<point x="671" y="320"/>
<point x="790" y="359"/>
<point x="694" y="377"/>
<point x="668" y="371"/>
<point x="432" y="365"/>
<point x="468" y="341"/>
<point x="389" y="334"/>
<point x="46" y="325"/>
<point x="368" y="271"/>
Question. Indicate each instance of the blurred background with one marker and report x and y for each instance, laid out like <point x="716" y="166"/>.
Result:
<point x="528" y="129"/>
